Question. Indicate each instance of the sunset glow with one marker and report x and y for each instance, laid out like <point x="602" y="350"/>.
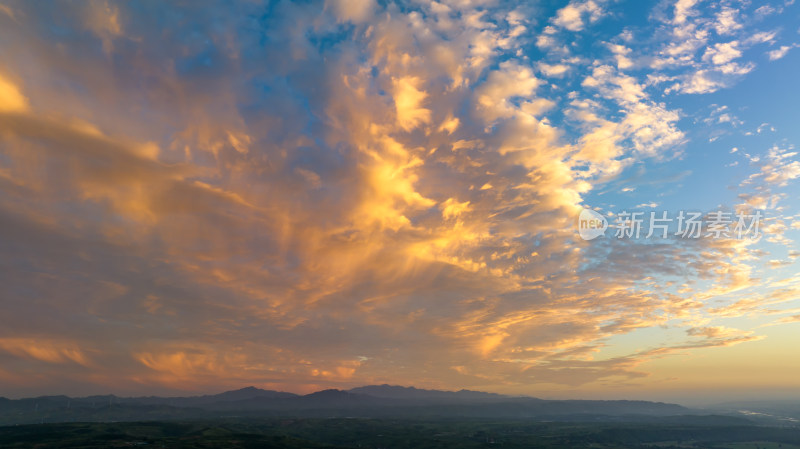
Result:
<point x="309" y="195"/>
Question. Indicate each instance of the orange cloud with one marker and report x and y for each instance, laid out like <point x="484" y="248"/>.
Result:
<point x="44" y="350"/>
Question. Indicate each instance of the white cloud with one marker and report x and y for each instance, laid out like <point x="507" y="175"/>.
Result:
<point x="552" y="70"/>
<point x="509" y="81"/>
<point x="620" y="54"/>
<point x="765" y="10"/>
<point x="726" y="21"/>
<point x="723" y="52"/>
<point x="779" y="169"/>
<point x="778" y="53"/>
<point x="683" y="9"/>
<point x="701" y="82"/>
<point x="762" y="37"/>
<point x="571" y="16"/>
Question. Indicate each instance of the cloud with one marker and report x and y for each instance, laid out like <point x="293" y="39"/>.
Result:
<point x="553" y="70"/>
<point x="779" y="168"/>
<point x="102" y="18"/>
<point x="356" y="11"/>
<point x="723" y="53"/>
<point x="45" y="351"/>
<point x="5" y="9"/>
<point x="298" y="197"/>
<point x="648" y="127"/>
<point x="726" y="21"/>
<point x="409" y="101"/>
<point x="790" y="319"/>
<point x="11" y="99"/>
<point x="779" y="53"/>
<point x="699" y="50"/>
<point x="571" y="16"/>
<point x="702" y="82"/>
<point x="502" y="86"/>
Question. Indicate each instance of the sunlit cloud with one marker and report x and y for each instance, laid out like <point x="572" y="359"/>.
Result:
<point x="301" y="196"/>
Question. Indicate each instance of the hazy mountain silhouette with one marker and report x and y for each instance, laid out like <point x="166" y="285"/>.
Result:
<point x="248" y="393"/>
<point x="368" y="401"/>
<point x="398" y="392"/>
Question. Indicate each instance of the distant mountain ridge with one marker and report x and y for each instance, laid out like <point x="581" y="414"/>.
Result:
<point x="398" y="392"/>
<point x="367" y="401"/>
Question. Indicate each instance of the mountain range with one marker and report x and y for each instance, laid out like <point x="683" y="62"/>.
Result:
<point x="383" y="401"/>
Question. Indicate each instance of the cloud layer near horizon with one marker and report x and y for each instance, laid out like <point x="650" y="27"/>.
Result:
<point x="310" y="195"/>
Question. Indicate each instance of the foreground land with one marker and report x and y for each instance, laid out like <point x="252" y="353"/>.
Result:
<point x="400" y="434"/>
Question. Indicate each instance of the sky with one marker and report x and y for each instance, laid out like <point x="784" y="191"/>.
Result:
<point x="196" y="197"/>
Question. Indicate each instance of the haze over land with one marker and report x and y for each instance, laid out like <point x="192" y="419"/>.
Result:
<point x="375" y="401"/>
<point x="326" y="195"/>
<point x="387" y="416"/>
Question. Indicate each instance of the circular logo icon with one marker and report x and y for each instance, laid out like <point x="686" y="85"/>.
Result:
<point x="591" y="224"/>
